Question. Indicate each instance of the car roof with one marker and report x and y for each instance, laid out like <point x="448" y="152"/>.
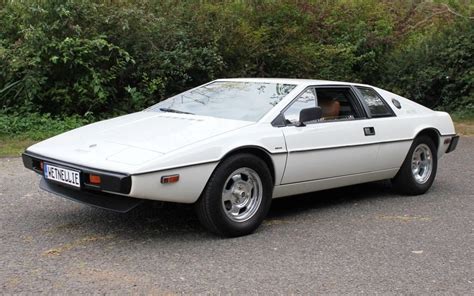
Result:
<point x="290" y="81"/>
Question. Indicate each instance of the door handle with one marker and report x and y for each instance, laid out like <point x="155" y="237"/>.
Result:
<point x="369" y="131"/>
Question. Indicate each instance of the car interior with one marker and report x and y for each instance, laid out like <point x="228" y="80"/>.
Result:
<point x="335" y="104"/>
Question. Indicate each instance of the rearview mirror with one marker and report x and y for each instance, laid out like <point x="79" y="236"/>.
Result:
<point x="310" y="114"/>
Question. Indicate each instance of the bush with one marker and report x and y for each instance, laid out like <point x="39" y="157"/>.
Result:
<point x="436" y="70"/>
<point x="37" y="127"/>
<point x="104" y="58"/>
<point x="51" y="64"/>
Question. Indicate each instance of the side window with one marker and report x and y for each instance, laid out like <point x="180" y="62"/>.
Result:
<point x="377" y="106"/>
<point x="305" y="100"/>
<point x="336" y="103"/>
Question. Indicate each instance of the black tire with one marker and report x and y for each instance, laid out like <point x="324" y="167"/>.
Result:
<point x="404" y="182"/>
<point x="210" y="209"/>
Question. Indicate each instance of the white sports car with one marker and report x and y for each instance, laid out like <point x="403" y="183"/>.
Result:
<point x="231" y="145"/>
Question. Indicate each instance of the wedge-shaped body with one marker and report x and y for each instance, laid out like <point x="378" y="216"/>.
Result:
<point x="232" y="145"/>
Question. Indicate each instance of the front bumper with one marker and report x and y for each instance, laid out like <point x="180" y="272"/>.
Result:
<point x="107" y="195"/>
<point x="110" y="181"/>
<point x="112" y="202"/>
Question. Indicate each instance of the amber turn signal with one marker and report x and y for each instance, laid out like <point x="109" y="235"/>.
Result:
<point x="169" y="179"/>
<point x="94" y="179"/>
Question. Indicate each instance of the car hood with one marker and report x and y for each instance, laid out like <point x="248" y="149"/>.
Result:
<point x="132" y="139"/>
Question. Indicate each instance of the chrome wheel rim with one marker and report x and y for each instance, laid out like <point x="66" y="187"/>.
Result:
<point x="242" y="194"/>
<point x="422" y="163"/>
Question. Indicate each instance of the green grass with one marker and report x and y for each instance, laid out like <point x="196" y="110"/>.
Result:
<point x="14" y="146"/>
<point x="464" y="127"/>
<point x="17" y="131"/>
<point x="464" y="123"/>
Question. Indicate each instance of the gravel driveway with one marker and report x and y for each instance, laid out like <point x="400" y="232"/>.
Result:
<point x="356" y="240"/>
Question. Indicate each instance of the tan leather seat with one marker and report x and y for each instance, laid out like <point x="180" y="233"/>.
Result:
<point x="331" y="109"/>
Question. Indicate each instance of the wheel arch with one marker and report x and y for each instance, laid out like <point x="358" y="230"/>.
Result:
<point x="432" y="133"/>
<point x="258" y="151"/>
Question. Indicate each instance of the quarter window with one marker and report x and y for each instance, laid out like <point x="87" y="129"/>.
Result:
<point x="376" y="105"/>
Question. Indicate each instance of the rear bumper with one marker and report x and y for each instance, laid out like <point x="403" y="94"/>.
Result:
<point x="453" y="144"/>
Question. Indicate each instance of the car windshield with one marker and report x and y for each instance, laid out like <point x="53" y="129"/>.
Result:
<point x="237" y="100"/>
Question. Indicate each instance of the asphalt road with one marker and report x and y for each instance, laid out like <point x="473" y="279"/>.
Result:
<point x="356" y="240"/>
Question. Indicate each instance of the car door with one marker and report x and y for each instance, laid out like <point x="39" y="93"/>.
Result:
<point x="393" y="136"/>
<point x="342" y="143"/>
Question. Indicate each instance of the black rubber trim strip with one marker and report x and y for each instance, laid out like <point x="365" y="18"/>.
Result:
<point x="454" y="143"/>
<point x="112" y="202"/>
<point x="350" y="146"/>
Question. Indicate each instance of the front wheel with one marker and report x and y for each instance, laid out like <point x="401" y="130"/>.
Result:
<point x="418" y="171"/>
<point x="237" y="196"/>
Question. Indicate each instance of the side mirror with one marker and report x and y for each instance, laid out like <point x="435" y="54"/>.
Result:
<point x="310" y="114"/>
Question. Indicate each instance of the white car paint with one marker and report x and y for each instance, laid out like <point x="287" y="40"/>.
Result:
<point x="149" y="145"/>
<point x="128" y="143"/>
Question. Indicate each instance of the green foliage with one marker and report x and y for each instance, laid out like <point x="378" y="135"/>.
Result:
<point x="37" y="126"/>
<point x="437" y="70"/>
<point x="52" y="64"/>
<point x="103" y="58"/>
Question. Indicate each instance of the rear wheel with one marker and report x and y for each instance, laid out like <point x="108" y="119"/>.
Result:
<point x="419" y="168"/>
<point x="237" y="196"/>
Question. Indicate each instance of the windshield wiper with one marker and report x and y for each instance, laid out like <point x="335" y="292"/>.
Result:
<point x="175" y="111"/>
